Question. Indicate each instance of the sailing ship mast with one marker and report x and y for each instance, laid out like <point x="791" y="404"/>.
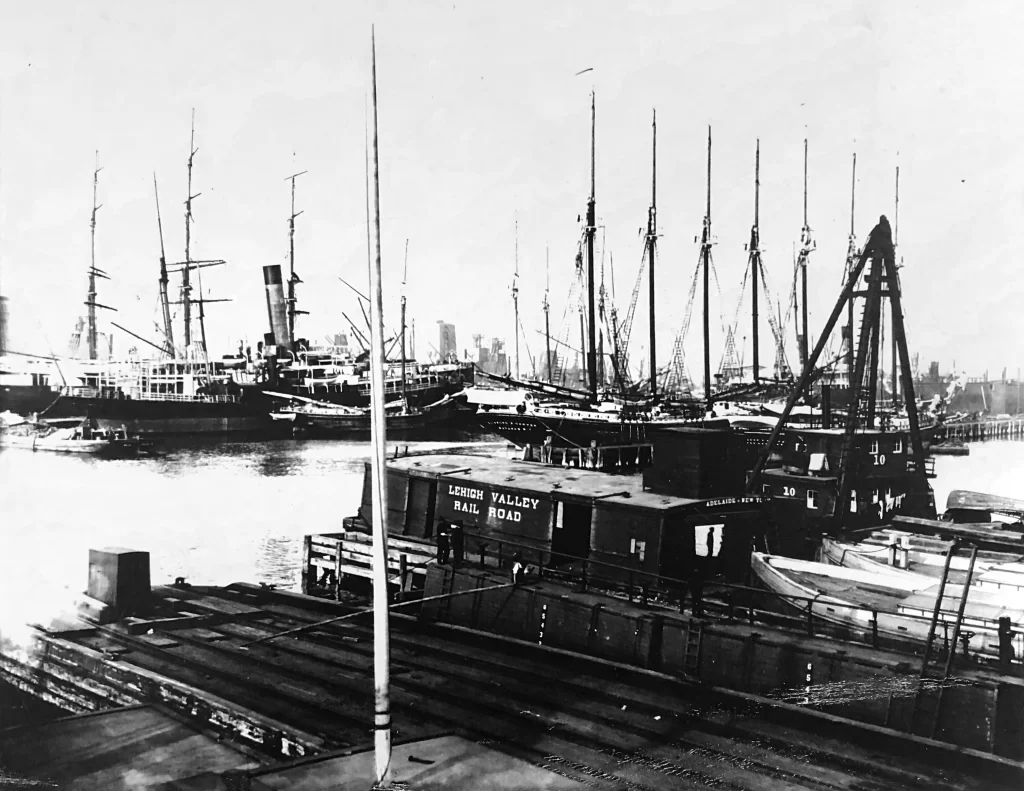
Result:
<point x="755" y="258"/>
<point x="895" y="285"/>
<point x="186" y="275"/>
<point x="705" y="252"/>
<point x="851" y="261"/>
<point x="807" y="245"/>
<point x="591" y="230"/>
<point x="165" y="305"/>
<point x="94" y="273"/>
<point x="292" y="277"/>
<point x="405" y="273"/>
<point x="381" y="631"/>
<point x="547" y="310"/>
<point x="188" y="264"/>
<point x="652" y="235"/>
<point x="515" y="297"/>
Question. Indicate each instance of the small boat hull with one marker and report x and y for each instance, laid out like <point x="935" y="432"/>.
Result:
<point x="104" y="448"/>
<point x="897" y="601"/>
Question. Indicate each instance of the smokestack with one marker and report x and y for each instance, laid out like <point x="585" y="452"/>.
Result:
<point x="277" y="307"/>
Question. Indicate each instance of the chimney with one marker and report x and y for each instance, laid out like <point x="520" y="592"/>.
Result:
<point x="276" y="305"/>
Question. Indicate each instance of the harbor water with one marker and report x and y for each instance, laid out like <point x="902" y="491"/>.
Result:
<point x="228" y="511"/>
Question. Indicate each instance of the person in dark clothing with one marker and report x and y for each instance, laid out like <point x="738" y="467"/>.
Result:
<point x="1006" y="652"/>
<point x="458" y="540"/>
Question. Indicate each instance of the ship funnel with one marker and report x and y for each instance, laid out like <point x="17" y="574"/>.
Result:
<point x="277" y="307"/>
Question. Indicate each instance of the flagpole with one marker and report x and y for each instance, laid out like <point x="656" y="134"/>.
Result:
<point x="381" y="635"/>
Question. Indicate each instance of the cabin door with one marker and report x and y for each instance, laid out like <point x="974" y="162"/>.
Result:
<point x="570" y="538"/>
<point x="419" y="516"/>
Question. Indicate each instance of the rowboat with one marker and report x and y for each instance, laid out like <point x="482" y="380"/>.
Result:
<point x="893" y="549"/>
<point x="896" y="603"/>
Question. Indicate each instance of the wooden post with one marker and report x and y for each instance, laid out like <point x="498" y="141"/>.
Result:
<point x="339" y="545"/>
<point x="307" y="547"/>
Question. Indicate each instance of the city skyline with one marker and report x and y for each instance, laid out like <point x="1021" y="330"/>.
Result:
<point x="485" y="127"/>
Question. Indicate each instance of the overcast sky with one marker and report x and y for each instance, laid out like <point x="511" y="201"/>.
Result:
<point x="482" y="119"/>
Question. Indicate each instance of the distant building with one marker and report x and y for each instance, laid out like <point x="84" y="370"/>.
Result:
<point x="447" y="346"/>
<point x="3" y="325"/>
<point x="493" y="360"/>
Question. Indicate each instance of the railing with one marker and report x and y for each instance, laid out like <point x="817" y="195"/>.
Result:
<point x="114" y="395"/>
<point x="733" y="602"/>
<point x="603" y="457"/>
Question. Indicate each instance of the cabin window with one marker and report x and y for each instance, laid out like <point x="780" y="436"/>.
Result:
<point x="812" y="498"/>
<point x="853" y="501"/>
<point x="637" y="548"/>
<point x="897" y="446"/>
<point x="766" y="488"/>
<point x="874" y="446"/>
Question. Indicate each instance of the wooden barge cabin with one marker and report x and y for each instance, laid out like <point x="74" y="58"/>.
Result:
<point x="625" y="527"/>
<point x="804" y="487"/>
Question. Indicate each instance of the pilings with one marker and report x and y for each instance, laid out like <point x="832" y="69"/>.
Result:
<point x="980" y="430"/>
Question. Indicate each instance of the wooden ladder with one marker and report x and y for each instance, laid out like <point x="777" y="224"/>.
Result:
<point x="927" y="711"/>
<point x="691" y="656"/>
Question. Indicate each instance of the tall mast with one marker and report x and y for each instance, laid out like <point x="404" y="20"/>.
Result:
<point x="515" y="296"/>
<point x="188" y="264"/>
<point x="705" y="251"/>
<point x="806" y="246"/>
<point x="755" y="255"/>
<point x="405" y="272"/>
<point x="601" y="317"/>
<point x="894" y="286"/>
<point x="93" y="271"/>
<point x="381" y="632"/>
<point x="186" y="270"/>
<point x="652" y="235"/>
<point x="591" y="230"/>
<point x="165" y="304"/>
<point x="547" y="309"/>
<point x="851" y="260"/>
<point x="292" y="277"/>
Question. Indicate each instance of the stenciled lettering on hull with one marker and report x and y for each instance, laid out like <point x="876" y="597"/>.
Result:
<point x="492" y="508"/>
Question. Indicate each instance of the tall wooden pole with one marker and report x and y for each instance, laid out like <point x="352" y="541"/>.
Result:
<point x="755" y="259"/>
<point x="547" y="311"/>
<point x="381" y="631"/>
<point x="652" y="237"/>
<point x="806" y="245"/>
<point x="705" y="249"/>
<point x="892" y="286"/>
<point x="515" y="297"/>
<point x="851" y="258"/>
<point x="165" y="303"/>
<point x="405" y="272"/>
<point x="293" y="279"/>
<point x="91" y="301"/>
<point x="186" y="269"/>
<point x="591" y="230"/>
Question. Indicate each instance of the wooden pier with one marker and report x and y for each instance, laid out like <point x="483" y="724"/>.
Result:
<point x="981" y="430"/>
<point x="213" y="658"/>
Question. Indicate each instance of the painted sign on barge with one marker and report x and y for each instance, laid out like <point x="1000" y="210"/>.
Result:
<point x="558" y="515"/>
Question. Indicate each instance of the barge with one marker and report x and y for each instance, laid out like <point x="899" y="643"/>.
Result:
<point x="274" y="689"/>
